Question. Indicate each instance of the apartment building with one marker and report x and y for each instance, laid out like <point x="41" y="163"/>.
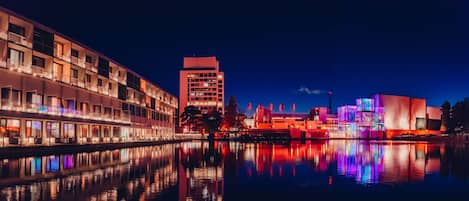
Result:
<point x="57" y="91"/>
<point x="201" y="84"/>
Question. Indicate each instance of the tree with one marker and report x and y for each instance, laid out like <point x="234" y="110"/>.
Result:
<point x="233" y="118"/>
<point x="212" y="122"/>
<point x="446" y="117"/>
<point x="192" y="118"/>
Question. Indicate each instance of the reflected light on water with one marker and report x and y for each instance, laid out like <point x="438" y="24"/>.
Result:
<point x="202" y="171"/>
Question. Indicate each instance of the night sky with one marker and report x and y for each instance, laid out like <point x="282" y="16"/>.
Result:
<point x="269" y="51"/>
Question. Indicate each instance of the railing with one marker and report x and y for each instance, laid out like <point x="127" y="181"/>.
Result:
<point x="91" y="87"/>
<point x="113" y="76"/>
<point x="18" y="67"/>
<point x="78" y="61"/>
<point x="19" y="39"/>
<point x="6" y="104"/>
<point x="91" y="67"/>
<point x="103" y="90"/>
<point x="61" y="56"/>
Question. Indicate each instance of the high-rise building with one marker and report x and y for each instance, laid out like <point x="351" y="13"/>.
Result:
<point x="201" y="84"/>
<point x="55" y="90"/>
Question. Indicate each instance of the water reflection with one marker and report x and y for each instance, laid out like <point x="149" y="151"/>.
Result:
<point x="227" y="170"/>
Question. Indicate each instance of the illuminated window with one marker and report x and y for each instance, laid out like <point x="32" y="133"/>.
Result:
<point x="15" y="57"/>
<point x="33" y="129"/>
<point x="59" y="49"/>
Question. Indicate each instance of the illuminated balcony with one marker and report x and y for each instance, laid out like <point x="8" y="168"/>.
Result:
<point x="91" y="67"/>
<point x="91" y="86"/>
<point x="103" y="90"/>
<point x="78" y="61"/>
<point x="77" y="82"/>
<point x="18" y="66"/>
<point x="19" y="39"/>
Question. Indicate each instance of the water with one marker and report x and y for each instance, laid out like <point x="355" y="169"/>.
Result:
<point x="311" y="170"/>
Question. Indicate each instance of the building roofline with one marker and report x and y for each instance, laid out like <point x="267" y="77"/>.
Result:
<point x="42" y="26"/>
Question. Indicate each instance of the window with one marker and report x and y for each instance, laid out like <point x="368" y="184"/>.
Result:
<point x="39" y="62"/>
<point x="108" y="111"/>
<point x="59" y="49"/>
<point x="110" y="86"/>
<point x="88" y="78"/>
<point x="117" y="114"/>
<point x="70" y="104"/>
<point x="84" y="108"/>
<point x="89" y="59"/>
<point x="17" y="29"/>
<point x="16" y="57"/>
<point x="5" y="95"/>
<point x="100" y="82"/>
<point x="69" y="130"/>
<point x="97" y="109"/>
<point x="43" y="41"/>
<point x="16" y="97"/>
<point x="119" y="73"/>
<point x="74" y="53"/>
<point x="53" y="129"/>
<point x="33" y="99"/>
<point x="33" y="129"/>
<point x="74" y="73"/>
<point x="10" y="128"/>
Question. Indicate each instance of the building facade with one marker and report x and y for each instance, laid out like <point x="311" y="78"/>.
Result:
<point x="387" y="116"/>
<point x="201" y="84"/>
<point x="55" y="90"/>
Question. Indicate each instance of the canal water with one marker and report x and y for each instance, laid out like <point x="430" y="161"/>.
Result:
<point x="308" y="170"/>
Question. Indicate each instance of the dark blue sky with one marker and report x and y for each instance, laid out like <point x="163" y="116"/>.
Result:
<point x="269" y="50"/>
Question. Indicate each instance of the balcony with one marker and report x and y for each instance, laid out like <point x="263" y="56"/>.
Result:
<point x="91" y="87"/>
<point x="103" y="90"/>
<point x="77" y="82"/>
<point x="61" y="56"/>
<point x="7" y="104"/>
<point x="78" y="61"/>
<point x="113" y="77"/>
<point x="91" y="67"/>
<point x="19" y="67"/>
<point x="41" y="72"/>
<point x="19" y="39"/>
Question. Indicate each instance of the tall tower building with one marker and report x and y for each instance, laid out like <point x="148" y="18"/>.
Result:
<point x="201" y="84"/>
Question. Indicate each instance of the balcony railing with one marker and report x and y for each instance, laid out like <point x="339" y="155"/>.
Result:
<point x="91" y="67"/>
<point x="61" y="56"/>
<point x="78" y="61"/>
<point x="91" y="87"/>
<point x="19" y="39"/>
<point x="77" y="82"/>
<point x="103" y="90"/>
<point x="6" y="104"/>
<point x="20" y="67"/>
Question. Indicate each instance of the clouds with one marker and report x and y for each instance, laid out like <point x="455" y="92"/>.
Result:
<point x="308" y="91"/>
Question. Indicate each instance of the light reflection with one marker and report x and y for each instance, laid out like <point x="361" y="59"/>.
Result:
<point x="200" y="171"/>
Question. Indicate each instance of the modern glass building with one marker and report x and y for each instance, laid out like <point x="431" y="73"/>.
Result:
<point x="55" y="90"/>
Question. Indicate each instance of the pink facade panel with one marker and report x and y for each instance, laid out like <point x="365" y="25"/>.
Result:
<point x="418" y="108"/>
<point x="396" y="111"/>
<point x="434" y="113"/>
